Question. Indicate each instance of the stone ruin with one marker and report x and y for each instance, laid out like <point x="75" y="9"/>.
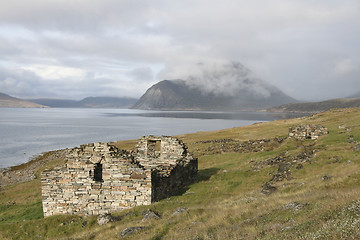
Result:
<point x="308" y="131"/>
<point x="100" y="178"/>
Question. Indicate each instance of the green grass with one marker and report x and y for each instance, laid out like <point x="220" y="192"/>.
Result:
<point x="22" y="212"/>
<point x="225" y="202"/>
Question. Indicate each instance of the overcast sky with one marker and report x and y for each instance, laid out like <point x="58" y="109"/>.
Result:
<point x="310" y="49"/>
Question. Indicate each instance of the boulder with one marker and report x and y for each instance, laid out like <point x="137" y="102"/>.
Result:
<point x="149" y="214"/>
<point x="130" y="230"/>
<point x="106" y="218"/>
<point x="268" y="189"/>
<point x="179" y="211"/>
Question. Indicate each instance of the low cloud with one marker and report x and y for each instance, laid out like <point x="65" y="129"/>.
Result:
<point x="25" y="83"/>
<point x="142" y="74"/>
<point x="51" y="72"/>
<point x="220" y="77"/>
<point x="19" y="82"/>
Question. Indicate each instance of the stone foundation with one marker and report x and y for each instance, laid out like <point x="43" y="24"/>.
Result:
<point x="307" y="131"/>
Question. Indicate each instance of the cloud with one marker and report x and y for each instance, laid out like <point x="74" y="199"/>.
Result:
<point x="26" y="83"/>
<point x="18" y="82"/>
<point x="220" y="77"/>
<point x="51" y="72"/>
<point x="141" y="74"/>
<point x="308" y="48"/>
<point x="345" y="66"/>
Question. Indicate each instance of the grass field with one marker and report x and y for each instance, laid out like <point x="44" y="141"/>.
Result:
<point x="318" y="200"/>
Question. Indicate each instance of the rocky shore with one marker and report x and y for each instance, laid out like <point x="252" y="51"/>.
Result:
<point x="30" y="170"/>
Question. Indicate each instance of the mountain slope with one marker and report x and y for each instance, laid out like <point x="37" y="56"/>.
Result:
<point x="315" y="107"/>
<point x="7" y="101"/>
<point x="177" y="95"/>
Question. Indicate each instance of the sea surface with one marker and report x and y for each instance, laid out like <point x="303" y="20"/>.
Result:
<point x="27" y="132"/>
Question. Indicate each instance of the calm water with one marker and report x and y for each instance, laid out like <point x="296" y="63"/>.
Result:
<point x="28" y="132"/>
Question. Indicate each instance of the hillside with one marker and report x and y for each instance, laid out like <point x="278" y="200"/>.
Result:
<point x="177" y="95"/>
<point x="7" y="101"/>
<point x="355" y="95"/>
<point x="253" y="183"/>
<point x="56" y="103"/>
<point x="89" y="102"/>
<point x="315" y="107"/>
<point x="107" y="102"/>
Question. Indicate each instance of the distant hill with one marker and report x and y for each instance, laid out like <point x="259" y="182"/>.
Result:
<point x="315" y="107"/>
<point x="177" y="95"/>
<point x="356" y="95"/>
<point x="7" y="101"/>
<point x="55" y="102"/>
<point x="89" y="102"/>
<point x="107" y="102"/>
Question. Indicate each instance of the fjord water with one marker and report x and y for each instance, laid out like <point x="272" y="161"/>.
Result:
<point x="28" y="132"/>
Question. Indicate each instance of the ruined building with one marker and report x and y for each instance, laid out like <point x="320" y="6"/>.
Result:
<point x="100" y="178"/>
<point x="308" y="131"/>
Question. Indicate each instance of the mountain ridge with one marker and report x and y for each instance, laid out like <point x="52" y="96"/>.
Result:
<point x="316" y="107"/>
<point x="355" y="95"/>
<point x="88" y="102"/>
<point x="7" y="101"/>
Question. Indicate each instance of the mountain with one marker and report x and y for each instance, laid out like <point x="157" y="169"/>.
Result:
<point x="89" y="102"/>
<point x="213" y="85"/>
<point x="178" y="95"/>
<point x="7" y="101"/>
<point x="315" y="107"/>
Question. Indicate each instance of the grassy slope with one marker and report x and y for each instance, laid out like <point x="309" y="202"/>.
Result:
<point x="315" y="107"/>
<point x="7" y="101"/>
<point x="226" y="202"/>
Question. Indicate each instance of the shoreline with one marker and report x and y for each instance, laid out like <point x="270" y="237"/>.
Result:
<point x="25" y="171"/>
<point x="37" y="131"/>
<point x="30" y="170"/>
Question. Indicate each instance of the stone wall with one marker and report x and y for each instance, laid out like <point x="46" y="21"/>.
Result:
<point x="168" y="181"/>
<point x="153" y="151"/>
<point x="307" y="131"/>
<point x="172" y="166"/>
<point x="100" y="178"/>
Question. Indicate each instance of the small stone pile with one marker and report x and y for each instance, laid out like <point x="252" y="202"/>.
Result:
<point x="284" y="163"/>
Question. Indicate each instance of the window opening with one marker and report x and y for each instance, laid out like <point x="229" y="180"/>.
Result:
<point x="153" y="148"/>
<point x="98" y="172"/>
